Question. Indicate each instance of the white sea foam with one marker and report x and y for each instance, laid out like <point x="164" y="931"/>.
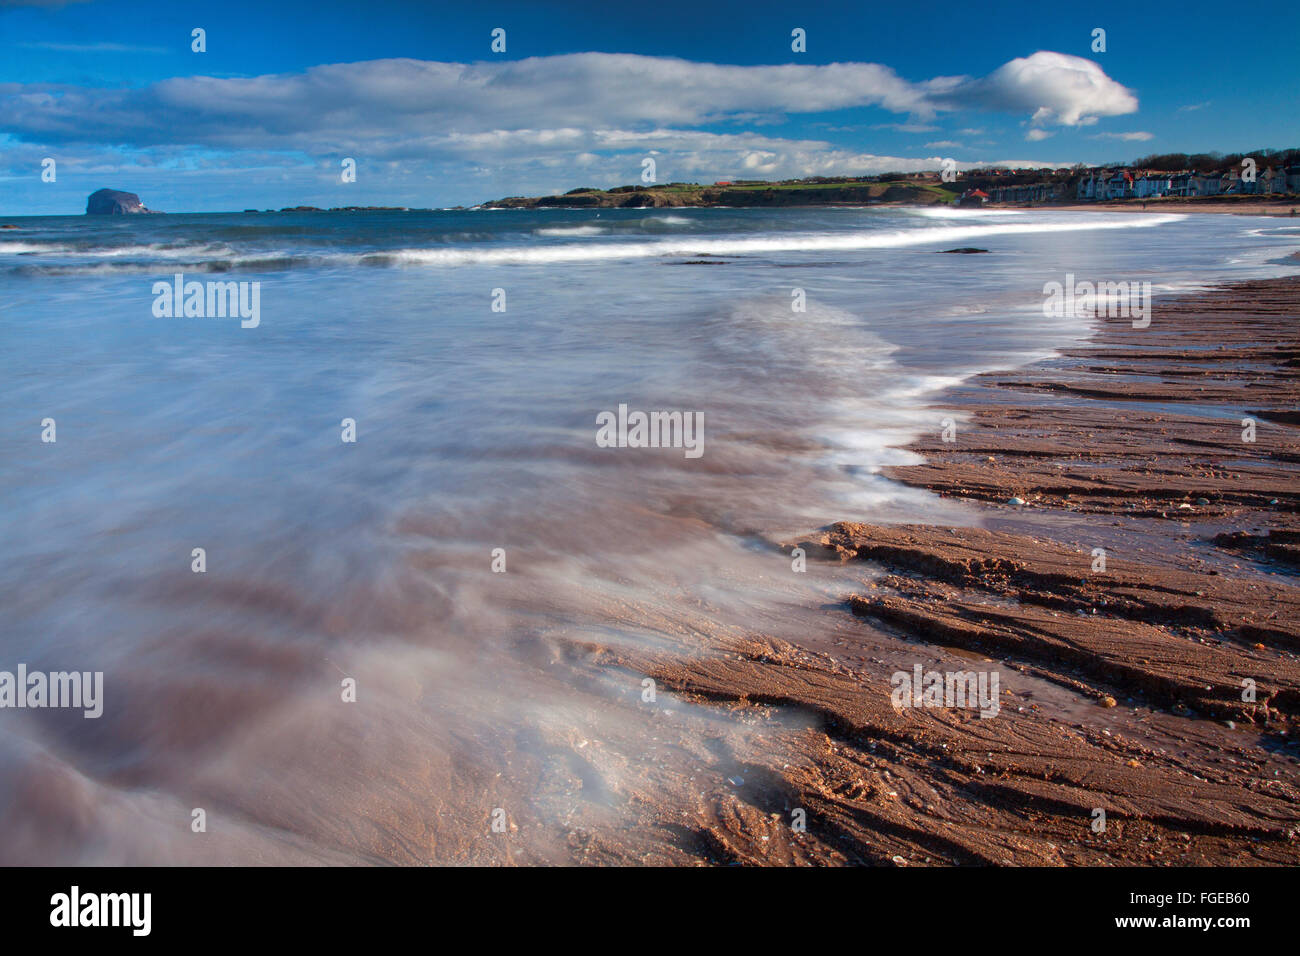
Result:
<point x="150" y="251"/>
<point x="794" y="242"/>
<point x="959" y="212"/>
<point x="570" y="231"/>
<point x="26" y="248"/>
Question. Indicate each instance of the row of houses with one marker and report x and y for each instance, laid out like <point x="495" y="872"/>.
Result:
<point x="1123" y="184"/>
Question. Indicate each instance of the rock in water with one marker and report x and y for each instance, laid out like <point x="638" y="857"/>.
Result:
<point x="112" y="202"/>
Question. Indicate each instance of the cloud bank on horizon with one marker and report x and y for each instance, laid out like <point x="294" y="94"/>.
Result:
<point x="401" y="99"/>
<point x="542" y="121"/>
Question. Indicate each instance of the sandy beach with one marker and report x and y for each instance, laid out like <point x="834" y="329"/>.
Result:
<point x="1285" y="207"/>
<point x="832" y="437"/>
<point x="1122" y="688"/>
<point x="682" y="660"/>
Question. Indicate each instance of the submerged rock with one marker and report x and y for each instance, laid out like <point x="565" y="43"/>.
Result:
<point x="113" y="202"/>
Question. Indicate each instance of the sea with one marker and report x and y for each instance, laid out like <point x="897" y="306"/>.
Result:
<point x="333" y="563"/>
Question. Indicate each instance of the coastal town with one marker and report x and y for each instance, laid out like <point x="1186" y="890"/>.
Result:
<point x="1264" y="178"/>
<point x="1266" y="174"/>
<point x="1246" y="177"/>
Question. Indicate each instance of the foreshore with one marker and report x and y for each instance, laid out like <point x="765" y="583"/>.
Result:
<point x="1140" y="607"/>
<point x="1286" y="208"/>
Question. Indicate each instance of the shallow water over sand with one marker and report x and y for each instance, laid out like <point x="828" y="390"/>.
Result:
<point x="475" y="431"/>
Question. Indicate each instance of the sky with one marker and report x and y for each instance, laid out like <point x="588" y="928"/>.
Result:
<point x="284" y="92"/>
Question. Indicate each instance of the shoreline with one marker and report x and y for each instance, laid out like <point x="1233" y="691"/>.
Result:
<point x="1285" y="209"/>
<point x="1121" y="690"/>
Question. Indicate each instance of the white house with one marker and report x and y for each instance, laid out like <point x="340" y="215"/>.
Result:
<point x="1153" y="184"/>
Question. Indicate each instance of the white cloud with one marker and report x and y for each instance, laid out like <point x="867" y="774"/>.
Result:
<point x="1057" y="89"/>
<point x="530" y="124"/>
<point x="1031" y="163"/>
<point x="383" y="104"/>
<point x="907" y="127"/>
<point x="1136" y="136"/>
<point x="1037" y="135"/>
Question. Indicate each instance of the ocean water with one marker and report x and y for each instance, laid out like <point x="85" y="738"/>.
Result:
<point x="475" y="430"/>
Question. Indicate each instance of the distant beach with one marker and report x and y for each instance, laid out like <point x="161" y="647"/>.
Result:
<point x="1285" y="208"/>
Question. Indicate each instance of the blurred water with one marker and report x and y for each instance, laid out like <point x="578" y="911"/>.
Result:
<point x="476" y="430"/>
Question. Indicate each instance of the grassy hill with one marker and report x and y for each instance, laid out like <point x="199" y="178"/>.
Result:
<point x="745" y="193"/>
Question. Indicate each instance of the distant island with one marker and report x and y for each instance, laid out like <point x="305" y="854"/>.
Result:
<point x="114" y="202"/>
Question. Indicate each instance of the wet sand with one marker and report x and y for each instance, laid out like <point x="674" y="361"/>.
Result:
<point x="1285" y="207"/>
<point x="1124" y="690"/>
<point x="776" y="741"/>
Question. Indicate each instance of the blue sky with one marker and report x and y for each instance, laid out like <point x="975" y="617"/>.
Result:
<point x="585" y="91"/>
